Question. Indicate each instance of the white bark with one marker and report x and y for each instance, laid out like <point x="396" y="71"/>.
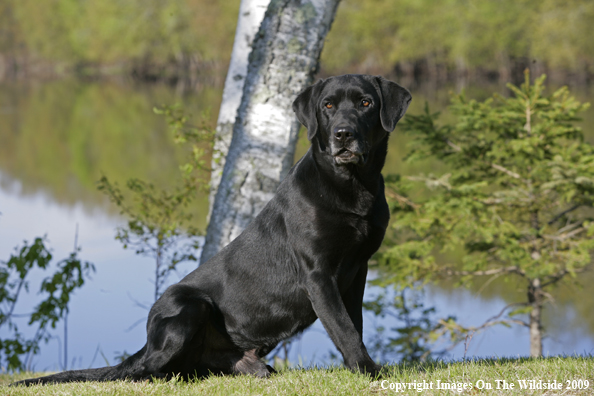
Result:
<point x="283" y="60"/>
<point x="251" y="14"/>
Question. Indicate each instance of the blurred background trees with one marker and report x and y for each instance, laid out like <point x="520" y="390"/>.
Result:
<point x="458" y="36"/>
<point x="168" y="38"/>
<point x="149" y="38"/>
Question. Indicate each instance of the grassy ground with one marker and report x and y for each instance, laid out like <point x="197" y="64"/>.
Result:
<point x="570" y="373"/>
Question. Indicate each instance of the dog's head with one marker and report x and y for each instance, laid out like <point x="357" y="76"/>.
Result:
<point x="348" y="115"/>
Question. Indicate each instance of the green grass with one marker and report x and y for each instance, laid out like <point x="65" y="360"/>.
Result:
<point x="338" y="381"/>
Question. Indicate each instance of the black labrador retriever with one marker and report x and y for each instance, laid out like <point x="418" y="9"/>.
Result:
<point x="303" y="257"/>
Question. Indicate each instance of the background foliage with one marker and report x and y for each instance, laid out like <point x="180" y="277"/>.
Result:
<point x="514" y="199"/>
<point x="57" y="289"/>
<point x="462" y="34"/>
<point x="428" y="36"/>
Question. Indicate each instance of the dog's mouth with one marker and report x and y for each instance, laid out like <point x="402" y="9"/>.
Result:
<point x="345" y="156"/>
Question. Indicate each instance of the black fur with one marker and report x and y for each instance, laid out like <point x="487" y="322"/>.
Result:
<point x="303" y="257"/>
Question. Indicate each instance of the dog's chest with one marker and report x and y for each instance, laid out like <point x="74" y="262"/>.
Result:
<point x="361" y="229"/>
<point x="353" y="239"/>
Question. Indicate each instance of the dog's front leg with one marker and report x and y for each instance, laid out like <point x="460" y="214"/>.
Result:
<point x="353" y="299"/>
<point x="327" y="303"/>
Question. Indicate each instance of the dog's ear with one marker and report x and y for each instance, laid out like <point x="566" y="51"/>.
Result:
<point x="395" y="100"/>
<point x="305" y="108"/>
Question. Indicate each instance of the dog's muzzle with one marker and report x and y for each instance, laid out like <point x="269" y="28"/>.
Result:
<point x="345" y="148"/>
<point x="345" y="156"/>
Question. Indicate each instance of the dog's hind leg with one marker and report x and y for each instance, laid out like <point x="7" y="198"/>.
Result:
<point x="174" y="342"/>
<point x="250" y="363"/>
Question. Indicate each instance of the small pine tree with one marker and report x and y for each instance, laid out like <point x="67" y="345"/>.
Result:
<point x="516" y="198"/>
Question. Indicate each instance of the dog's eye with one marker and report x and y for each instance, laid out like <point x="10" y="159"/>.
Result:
<point x="365" y="103"/>
<point x="328" y="105"/>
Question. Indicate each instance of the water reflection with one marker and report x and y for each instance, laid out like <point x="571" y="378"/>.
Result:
<point x="58" y="138"/>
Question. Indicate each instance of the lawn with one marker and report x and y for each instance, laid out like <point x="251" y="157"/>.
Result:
<point x="550" y="376"/>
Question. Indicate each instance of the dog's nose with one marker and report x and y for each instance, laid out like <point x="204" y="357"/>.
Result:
<point x="343" y="133"/>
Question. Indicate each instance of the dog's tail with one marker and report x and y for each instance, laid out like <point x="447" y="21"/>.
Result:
<point x="128" y="369"/>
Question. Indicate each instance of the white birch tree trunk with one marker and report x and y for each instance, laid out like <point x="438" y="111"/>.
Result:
<point x="283" y="60"/>
<point x="251" y="14"/>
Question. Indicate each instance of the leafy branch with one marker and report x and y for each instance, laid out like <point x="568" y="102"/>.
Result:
<point x="160" y="224"/>
<point x="70" y="275"/>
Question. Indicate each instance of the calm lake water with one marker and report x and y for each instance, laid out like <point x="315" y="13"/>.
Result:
<point x="58" y="138"/>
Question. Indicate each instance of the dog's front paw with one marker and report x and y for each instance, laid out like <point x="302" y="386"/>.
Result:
<point x="370" y="368"/>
